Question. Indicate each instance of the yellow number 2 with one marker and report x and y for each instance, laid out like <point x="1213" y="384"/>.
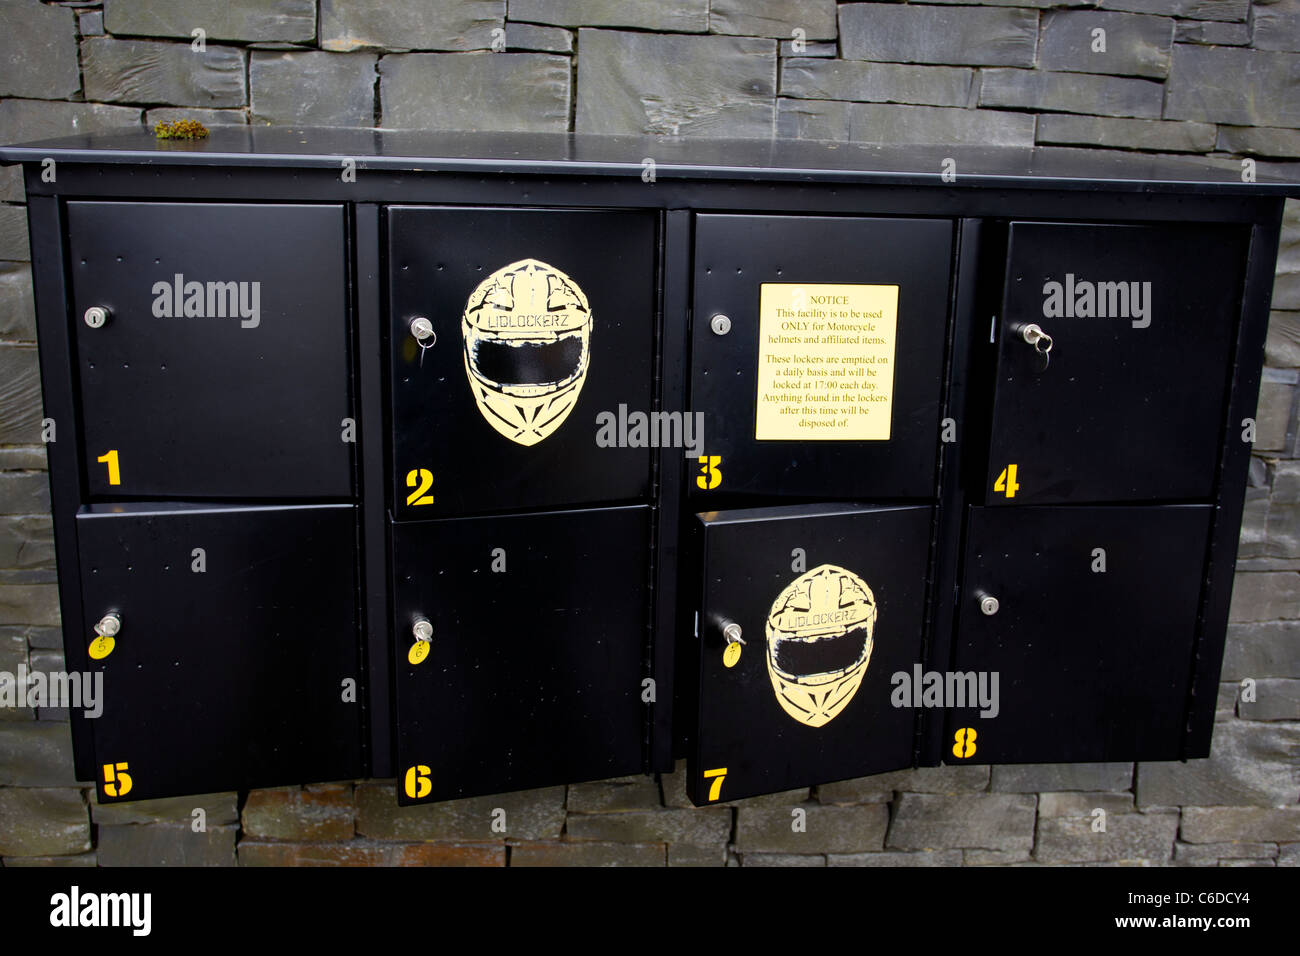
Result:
<point x="114" y="472"/>
<point x="117" y="782"/>
<point x="421" y="479"/>
<point x="1006" y="482"/>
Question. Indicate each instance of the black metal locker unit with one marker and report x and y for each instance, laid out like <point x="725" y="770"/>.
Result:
<point x="507" y="467"/>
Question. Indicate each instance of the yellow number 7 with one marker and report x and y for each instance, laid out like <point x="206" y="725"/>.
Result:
<point x="718" y="776"/>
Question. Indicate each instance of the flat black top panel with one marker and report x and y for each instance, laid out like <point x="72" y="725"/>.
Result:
<point x="571" y="154"/>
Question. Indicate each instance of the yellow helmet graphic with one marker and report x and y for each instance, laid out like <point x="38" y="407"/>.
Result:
<point x="819" y="638"/>
<point x="527" y="333"/>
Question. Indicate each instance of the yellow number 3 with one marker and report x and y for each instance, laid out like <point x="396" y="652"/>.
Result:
<point x="117" y="782"/>
<point x="710" y="475"/>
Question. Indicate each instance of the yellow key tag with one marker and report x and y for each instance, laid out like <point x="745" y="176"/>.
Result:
<point x="418" y="652"/>
<point x="731" y="655"/>
<point x="101" y="647"/>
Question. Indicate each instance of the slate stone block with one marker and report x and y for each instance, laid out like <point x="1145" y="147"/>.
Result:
<point x="475" y="91"/>
<point x="976" y="36"/>
<point x="641" y="83"/>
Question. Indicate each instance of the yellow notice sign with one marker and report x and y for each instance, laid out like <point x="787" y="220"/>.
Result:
<point x="825" y="361"/>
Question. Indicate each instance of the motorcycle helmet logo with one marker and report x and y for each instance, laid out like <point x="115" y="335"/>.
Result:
<point x="527" y="334"/>
<point x="819" y="639"/>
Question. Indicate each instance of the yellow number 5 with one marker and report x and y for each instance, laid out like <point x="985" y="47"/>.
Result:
<point x="117" y="782"/>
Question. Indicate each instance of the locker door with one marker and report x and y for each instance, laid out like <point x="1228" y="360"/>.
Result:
<point x="537" y="634"/>
<point x="1091" y="637"/>
<point x="237" y="629"/>
<point x="219" y="367"/>
<point x="539" y="322"/>
<point x="829" y="602"/>
<point x="1130" y="404"/>
<point x="817" y="355"/>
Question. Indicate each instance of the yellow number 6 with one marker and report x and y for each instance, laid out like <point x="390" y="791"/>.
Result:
<point x="417" y="783"/>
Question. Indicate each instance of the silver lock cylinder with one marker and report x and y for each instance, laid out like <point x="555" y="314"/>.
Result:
<point x="988" y="604"/>
<point x="731" y="633"/>
<point x="422" y="630"/>
<point x="108" y="625"/>
<point x="720" y="324"/>
<point x="96" y="316"/>
<point x="422" y="331"/>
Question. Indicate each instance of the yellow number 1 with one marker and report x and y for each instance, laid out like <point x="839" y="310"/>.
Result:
<point x="114" y="472"/>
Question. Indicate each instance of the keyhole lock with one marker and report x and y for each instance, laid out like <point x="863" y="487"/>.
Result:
<point x="422" y="331"/>
<point x="423" y="633"/>
<point x="731" y="633"/>
<point x="105" y="631"/>
<point x="96" y="316"/>
<point x="988" y="604"/>
<point x="720" y="324"/>
<point x="1040" y="340"/>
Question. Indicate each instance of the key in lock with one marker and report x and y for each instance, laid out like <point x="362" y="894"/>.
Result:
<point x="1034" y="335"/>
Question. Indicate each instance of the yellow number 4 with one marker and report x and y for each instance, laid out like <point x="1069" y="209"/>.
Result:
<point x="114" y="471"/>
<point x="1006" y="482"/>
<point x="710" y="475"/>
<point x="718" y="776"/>
<point x="418" y="785"/>
<point x="421" y="479"/>
<point x="117" y="782"/>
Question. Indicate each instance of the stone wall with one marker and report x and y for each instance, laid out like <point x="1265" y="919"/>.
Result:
<point x="1219" y="78"/>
